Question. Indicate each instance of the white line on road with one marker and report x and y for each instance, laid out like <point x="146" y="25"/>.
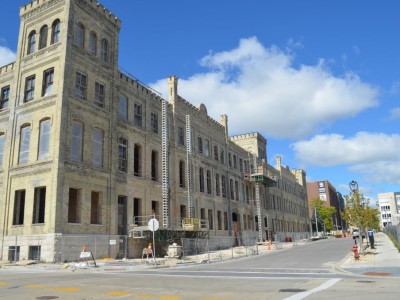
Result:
<point x="322" y="287"/>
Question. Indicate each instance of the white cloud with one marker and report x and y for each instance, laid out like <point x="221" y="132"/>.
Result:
<point x="374" y="155"/>
<point x="260" y="90"/>
<point x="6" y="56"/>
<point x="395" y="113"/>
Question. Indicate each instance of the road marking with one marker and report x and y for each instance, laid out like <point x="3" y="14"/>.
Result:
<point x="117" y="293"/>
<point x="322" y="287"/>
<point x="3" y="283"/>
<point x="54" y="288"/>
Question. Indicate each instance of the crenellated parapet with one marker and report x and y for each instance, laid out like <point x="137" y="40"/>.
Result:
<point x="96" y="9"/>
<point x="7" y="68"/>
<point x="139" y="87"/>
<point x="37" y="6"/>
<point x="199" y="113"/>
<point x="252" y="135"/>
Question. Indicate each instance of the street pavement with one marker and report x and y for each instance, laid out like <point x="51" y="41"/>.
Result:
<point x="384" y="260"/>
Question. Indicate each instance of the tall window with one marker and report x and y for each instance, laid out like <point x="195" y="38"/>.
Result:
<point x="217" y="188"/>
<point x="95" y="208"/>
<point x="92" y="43"/>
<point x="182" y="172"/>
<point x="137" y="118"/>
<point x="181" y="136"/>
<point x="55" y="32"/>
<point x="231" y="189"/>
<point x="98" y="138"/>
<point x="4" y="97"/>
<point x="240" y="165"/>
<point x="216" y="153"/>
<point x="77" y="141"/>
<point x="206" y="147"/>
<point x="104" y="50"/>
<point x="123" y="107"/>
<point x="223" y="186"/>
<point x="2" y="139"/>
<point x="200" y="144"/>
<point x="39" y="205"/>
<point x="29" y="88"/>
<point x="237" y="190"/>
<point x="31" y="42"/>
<point x="99" y="94"/>
<point x="219" y="220"/>
<point x="208" y="182"/>
<point x="44" y="139"/>
<point x="230" y="160"/>
<point x="154" y="165"/>
<point x="122" y="155"/>
<point x="154" y="122"/>
<point x="234" y="161"/>
<point x="74" y="206"/>
<point x="24" y="145"/>
<point x="80" y="85"/>
<point x="80" y="35"/>
<point x="222" y="156"/>
<point x="137" y="159"/>
<point x="19" y="207"/>
<point x="210" y="219"/>
<point x="43" y="37"/>
<point x="201" y="179"/>
<point x="48" y="79"/>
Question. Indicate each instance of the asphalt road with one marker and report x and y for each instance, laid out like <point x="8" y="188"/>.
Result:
<point x="303" y="272"/>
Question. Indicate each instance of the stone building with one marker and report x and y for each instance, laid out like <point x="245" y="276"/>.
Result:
<point x="88" y="150"/>
<point x="389" y="208"/>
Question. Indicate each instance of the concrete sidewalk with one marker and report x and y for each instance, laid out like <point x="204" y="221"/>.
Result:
<point x="384" y="260"/>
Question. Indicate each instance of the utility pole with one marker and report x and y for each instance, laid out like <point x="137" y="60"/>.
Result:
<point x="316" y="220"/>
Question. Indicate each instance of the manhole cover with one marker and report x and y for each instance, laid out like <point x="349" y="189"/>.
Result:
<point x="292" y="290"/>
<point x="47" y="297"/>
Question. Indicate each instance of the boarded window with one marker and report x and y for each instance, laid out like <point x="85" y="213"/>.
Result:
<point x="19" y="207"/>
<point x="123" y="107"/>
<point x="210" y="219"/>
<point x="137" y="159"/>
<point x="97" y="158"/>
<point x="74" y="205"/>
<point x="95" y="208"/>
<point x="39" y="205"/>
<point x="219" y="220"/>
<point x="182" y="172"/>
<point x="154" y="165"/>
<point x="77" y="141"/>
<point x="225" y="220"/>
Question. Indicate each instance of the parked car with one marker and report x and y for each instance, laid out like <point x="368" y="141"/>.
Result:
<point x="356" y="233"/>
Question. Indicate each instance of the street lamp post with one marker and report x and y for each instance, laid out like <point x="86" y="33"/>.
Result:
<point x="354" y="188"/>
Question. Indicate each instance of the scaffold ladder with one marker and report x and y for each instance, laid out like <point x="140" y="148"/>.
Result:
<point x="165" y="164"/>
<point x="189" y="167"/>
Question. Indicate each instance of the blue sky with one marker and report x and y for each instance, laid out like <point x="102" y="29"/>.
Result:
<point x="319" y="79"/>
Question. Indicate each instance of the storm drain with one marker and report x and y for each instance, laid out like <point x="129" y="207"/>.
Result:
<point x="47" y="297"/>
<point x="291" y="290"/>
<point x="365" y="281"/>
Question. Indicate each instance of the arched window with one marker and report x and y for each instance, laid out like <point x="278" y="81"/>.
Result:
<point x="44" y="139"/>
<point x="77" y="141"/>
<point x="80" y="35"/>
<point x="93" y="43"/>
<point x="25" y="137"/>
<point x="104" y="50"/>
<point x="43" y="37"/>
<point x="31" y="42"/>
<point x="98" y="141"/>
<point x="55" y="32"/>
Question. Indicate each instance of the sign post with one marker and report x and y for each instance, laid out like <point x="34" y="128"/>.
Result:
<point x="153" y="226"/>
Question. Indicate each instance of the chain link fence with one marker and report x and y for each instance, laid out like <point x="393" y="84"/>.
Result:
<point x="394" y="232"/>
<point x="63" y="248"/>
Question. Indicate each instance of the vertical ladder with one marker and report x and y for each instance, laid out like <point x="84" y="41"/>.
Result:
<point x="165" y="164"/>
<point x="189" y="166"/>
<point x="259" y="221"/>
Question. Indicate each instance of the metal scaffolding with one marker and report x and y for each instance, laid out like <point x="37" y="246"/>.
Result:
<point x="189" y="167"/>
<point x="165" y="165"/>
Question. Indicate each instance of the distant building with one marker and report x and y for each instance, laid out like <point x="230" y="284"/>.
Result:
<point x="325" y="191"/>
<point x="389" y="208"/>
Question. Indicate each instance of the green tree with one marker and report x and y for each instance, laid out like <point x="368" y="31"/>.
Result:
<point x="357" y="213"/>
<point x="324" y="213"/>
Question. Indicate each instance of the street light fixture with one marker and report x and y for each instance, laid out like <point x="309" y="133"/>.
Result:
<point x="353" y="185"/>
